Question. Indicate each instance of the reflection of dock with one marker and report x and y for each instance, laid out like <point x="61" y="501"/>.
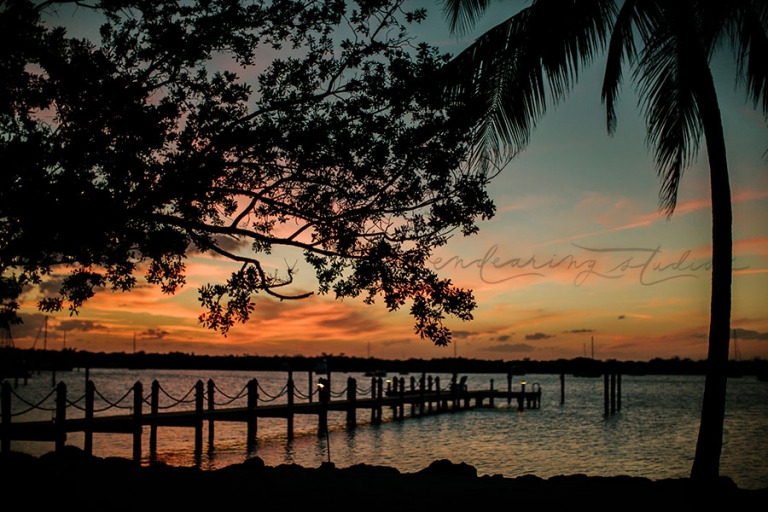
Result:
<point x="426" y="397"/>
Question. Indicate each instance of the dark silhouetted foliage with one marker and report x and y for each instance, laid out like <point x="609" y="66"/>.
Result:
<point x="232" y="128"/>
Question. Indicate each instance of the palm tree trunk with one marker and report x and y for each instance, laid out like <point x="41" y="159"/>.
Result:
<point x="706" y="463"/>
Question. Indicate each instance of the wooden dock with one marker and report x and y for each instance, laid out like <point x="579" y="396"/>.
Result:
<point x="424" y="397"/>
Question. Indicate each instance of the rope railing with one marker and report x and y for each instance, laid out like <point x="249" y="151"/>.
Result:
<point x="301" y="395"/>
<point x="272" y="398"/>
<point x="183" y="400"/>
<point x="312" y="392"/>
<point x="114" y="404"/>
<point x="230" y="399"/>
<point x="32" y="407"/>
<point x="73" y="403"/>
<point x="339" y="394"/>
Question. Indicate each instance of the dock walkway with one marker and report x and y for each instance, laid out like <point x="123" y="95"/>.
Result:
<point x="424" y="397"/>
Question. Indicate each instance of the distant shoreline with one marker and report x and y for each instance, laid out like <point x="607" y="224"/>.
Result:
<point x="68" y="359"/>
<point x="87" y="482"/>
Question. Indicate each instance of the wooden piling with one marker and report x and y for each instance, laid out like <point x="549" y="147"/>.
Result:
<point x="5" y="396"/>
<point x="374" y="410"/>
<point x="352" y="399"/>
<point x="509" y="387"/>
<point x="199" y="401"/>
<point x="562" y="388"/>
<point x="61" y="416"/>
<point x="138" y="402"/>
<point x="401" y="405"/>
<point x="429" y="390"/>
<point x="438" y="392"/>
<point x="252" y="420"/>
<point x="323" y="397"/>
<point x="606" y="398"/>
<point x="90" y="391"/>
<point x="490" y="400"/>
<point x="379" y="396"/>
<point x="154" y="408"/>
<point x="422" y="385"/>
<point x="613" y="392"/>
<point x="290" y="394"/>
<point x="454" y="393"/>
<point x="211" y="403"/>
<point x="618" y="392"/>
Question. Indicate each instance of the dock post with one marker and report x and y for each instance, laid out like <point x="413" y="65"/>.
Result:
<point x="395" y="392"/>
<point x="138" y="402"/>
<point x="154" y="408"/>
<point x="618" y="392"/>
<point x="90" y="391"/>
<point x="323" y="397"/>
<point x="509" y="387"/>
<point x="454" y="384"/>
<point x="521" y="397"/>
<point x="605" y="393"/>
<point x="437" y="392"/>
<point x="429" y="390"/>
<point x="373" y="397"/>
<point x="6" y="415"/>
<point x="289" y="392"/>
<point x="413" y="390"/>
<point x="352" y="399"/>
<point x="562" y="388"/>
<point x="402" y="398"/>
<point x="199" y="400"/>
<point x="253" y="401"/>
<point x="311" y="390"/>
<point x="61" y="415"/>
<point x="613" y="392"/>
<point x="490" y="399"/>
<point x="211" y="388"/>
<point x="379" y="396"/>
<point x="422" y="385"/>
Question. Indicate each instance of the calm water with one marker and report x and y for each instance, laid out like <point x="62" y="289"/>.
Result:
<point x="654" y="435"/>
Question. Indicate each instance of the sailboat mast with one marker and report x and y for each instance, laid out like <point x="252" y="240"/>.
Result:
<point x="593" y="347"/>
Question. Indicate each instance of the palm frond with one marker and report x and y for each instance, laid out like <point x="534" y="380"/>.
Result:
<point x="749" y="37"/>
<point x="463" y="14"/>
<point x="514" y="69"/>
<point x="666" y="74"/>
<point x="633" y="15"/>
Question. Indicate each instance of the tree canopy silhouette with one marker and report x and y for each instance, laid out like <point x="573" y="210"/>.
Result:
<point x="535" y="56"/>
<point x="231" y="128"/>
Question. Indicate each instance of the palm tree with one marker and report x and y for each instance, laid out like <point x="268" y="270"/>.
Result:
<point x="534" y="57"/>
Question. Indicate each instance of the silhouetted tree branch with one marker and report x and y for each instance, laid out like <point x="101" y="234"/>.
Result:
<point x="191" y="121"/>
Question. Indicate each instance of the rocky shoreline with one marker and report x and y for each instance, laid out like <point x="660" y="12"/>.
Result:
<point x="72" y="478"/>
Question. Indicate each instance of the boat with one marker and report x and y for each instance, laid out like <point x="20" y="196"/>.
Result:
<point x="589" y="367"/>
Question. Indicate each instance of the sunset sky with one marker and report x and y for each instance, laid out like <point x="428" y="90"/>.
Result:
<point x="577" y="249"/>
